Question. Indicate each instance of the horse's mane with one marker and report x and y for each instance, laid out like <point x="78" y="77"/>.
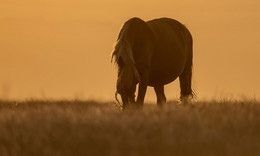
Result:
<point x="122" y="49"/>
<point x="122" y="56"/>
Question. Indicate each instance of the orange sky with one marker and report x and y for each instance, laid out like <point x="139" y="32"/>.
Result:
<point x="61" y="48"/>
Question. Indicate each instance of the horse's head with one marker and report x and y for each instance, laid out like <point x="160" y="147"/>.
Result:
<point x="128" y="75"/>
<point x="127" y="79"/>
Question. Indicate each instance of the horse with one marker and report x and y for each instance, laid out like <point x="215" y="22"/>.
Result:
<point x="152" y="53"/>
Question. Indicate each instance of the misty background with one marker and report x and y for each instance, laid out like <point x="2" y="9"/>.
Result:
<point x="60" y="49"/>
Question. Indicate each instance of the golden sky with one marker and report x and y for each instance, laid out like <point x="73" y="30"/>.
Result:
<point x="61" y="49"/>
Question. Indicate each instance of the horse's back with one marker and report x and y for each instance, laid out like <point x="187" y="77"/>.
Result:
<point x="169" y="53"/>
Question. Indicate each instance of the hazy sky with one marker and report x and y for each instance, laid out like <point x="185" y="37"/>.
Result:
<point x="61" y="48"/>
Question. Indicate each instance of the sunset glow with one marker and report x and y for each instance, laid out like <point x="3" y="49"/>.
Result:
<point x="61" y="49"/>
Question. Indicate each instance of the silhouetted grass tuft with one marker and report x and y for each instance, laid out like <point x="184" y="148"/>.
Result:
<point x="66" y="128"/>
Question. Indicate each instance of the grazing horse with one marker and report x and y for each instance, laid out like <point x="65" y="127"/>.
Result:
<point x="152" y="53"/>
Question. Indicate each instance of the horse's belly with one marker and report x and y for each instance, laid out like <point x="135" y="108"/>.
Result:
<point x="166" y="69"/>
<point x="163" y="77"/>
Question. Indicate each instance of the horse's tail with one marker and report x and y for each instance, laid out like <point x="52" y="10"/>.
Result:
<point x="186" y="77"/>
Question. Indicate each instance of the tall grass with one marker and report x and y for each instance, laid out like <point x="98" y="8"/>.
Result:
<point x="74" y="128"/>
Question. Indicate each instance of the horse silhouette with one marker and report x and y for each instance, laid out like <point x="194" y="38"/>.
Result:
<point x="152" y="53"/>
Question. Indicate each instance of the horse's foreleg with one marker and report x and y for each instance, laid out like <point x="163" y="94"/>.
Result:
<point x="141" y="94"/>
<point x="161" y="99"/>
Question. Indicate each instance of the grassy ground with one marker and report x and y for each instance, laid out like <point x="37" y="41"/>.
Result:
<point x="74" y="128"/>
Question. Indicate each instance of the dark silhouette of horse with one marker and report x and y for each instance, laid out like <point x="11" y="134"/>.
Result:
<point x="152" y="53"/>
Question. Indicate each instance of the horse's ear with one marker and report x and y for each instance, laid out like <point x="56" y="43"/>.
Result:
<point x="137" y="76"/>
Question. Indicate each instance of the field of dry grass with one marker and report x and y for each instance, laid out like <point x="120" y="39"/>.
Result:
<point x="74" y="128"/>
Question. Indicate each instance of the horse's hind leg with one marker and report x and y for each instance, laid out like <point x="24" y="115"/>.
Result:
<point x="186" y="75"/>
<point x="185" y="84"/>
<point x="161" y="99"/>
